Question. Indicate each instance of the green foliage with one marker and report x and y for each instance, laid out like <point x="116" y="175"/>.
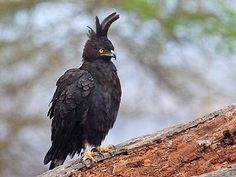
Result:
<point x="196" y="19"/>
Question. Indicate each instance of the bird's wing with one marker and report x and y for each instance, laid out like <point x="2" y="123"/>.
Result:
<point x="69" y="104"/>
<point x="65" y="84"/>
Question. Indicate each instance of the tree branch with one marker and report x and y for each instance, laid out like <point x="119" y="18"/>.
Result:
<point x="194" y="148"/>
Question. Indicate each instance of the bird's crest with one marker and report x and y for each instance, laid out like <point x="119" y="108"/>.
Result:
<point x="102" y="28"/>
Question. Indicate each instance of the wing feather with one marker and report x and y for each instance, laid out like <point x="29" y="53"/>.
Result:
<point x="68" y="108"/>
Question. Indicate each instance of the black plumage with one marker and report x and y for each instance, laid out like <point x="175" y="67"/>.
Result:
<point x="86" y="101"/>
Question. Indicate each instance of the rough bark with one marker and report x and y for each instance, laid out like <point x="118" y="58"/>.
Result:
<point x="194" y="148"/>
<point x="229" y="171"/>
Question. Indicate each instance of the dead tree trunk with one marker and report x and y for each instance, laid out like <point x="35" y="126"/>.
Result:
<point x="191" y="149"/>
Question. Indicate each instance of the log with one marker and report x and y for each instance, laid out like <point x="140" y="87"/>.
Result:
<point x="204" y="145"/>
<point x="229" y="171"/>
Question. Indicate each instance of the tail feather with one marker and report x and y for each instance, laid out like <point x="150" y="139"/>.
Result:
<point x="48" y="157"/>
<point x="56" y="162"/>
<point x="55" y="157"/>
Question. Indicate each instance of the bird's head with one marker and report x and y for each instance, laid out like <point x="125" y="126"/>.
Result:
<point x="98" y="46"/>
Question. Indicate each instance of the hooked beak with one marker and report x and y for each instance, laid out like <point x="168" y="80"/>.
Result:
<point x="113" y="54"/>
<point x="109" y="54"/>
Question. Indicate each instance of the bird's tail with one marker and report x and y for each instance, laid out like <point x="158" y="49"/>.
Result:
<point x="55" y="157"/>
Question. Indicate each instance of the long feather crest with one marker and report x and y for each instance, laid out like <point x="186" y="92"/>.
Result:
<point x="102" y="28"/>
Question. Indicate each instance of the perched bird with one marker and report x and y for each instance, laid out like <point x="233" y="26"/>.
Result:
<point x="85" y="104"/>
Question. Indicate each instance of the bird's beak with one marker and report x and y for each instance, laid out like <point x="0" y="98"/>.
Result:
<point x="110" y="54"/>
<point x="113" y="54"/>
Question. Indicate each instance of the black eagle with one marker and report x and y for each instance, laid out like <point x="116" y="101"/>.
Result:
<point x="86" y="101"/>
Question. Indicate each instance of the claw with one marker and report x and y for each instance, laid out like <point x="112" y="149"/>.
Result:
<point x="82" y="154"/>
<point x="88" y="159"/>
<point x="88" y="156"/>
<point x="94" y="150"/>
<point x="97" y="152"/>
<point x="102" y="149"/>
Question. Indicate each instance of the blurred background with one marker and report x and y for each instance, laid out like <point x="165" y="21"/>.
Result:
<point x="176" y="61"/>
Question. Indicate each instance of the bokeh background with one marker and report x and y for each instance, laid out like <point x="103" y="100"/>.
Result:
<point x="176" y="61"/>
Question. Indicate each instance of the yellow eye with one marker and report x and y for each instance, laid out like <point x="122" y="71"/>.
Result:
<point x="101" y="50"/>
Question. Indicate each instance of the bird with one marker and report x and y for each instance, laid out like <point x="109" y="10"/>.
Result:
<point x="85" y="104"/>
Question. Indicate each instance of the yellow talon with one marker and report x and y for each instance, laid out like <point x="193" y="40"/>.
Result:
<point x="108" y="148"/>
<point x="88" y="155"/>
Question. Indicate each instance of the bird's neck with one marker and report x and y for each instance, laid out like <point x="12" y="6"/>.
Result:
<point x="97" y="64"/>
<point x="99" y="67"/>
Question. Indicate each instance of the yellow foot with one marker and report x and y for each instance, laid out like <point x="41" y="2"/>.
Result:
<point x="88" y="156"/>
<point x="102" y="149"/>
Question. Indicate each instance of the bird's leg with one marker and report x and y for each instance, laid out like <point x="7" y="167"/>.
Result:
<point x="87" y="154"/>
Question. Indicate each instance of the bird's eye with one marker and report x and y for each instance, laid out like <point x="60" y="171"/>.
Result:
<point x="101" y="50"/>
